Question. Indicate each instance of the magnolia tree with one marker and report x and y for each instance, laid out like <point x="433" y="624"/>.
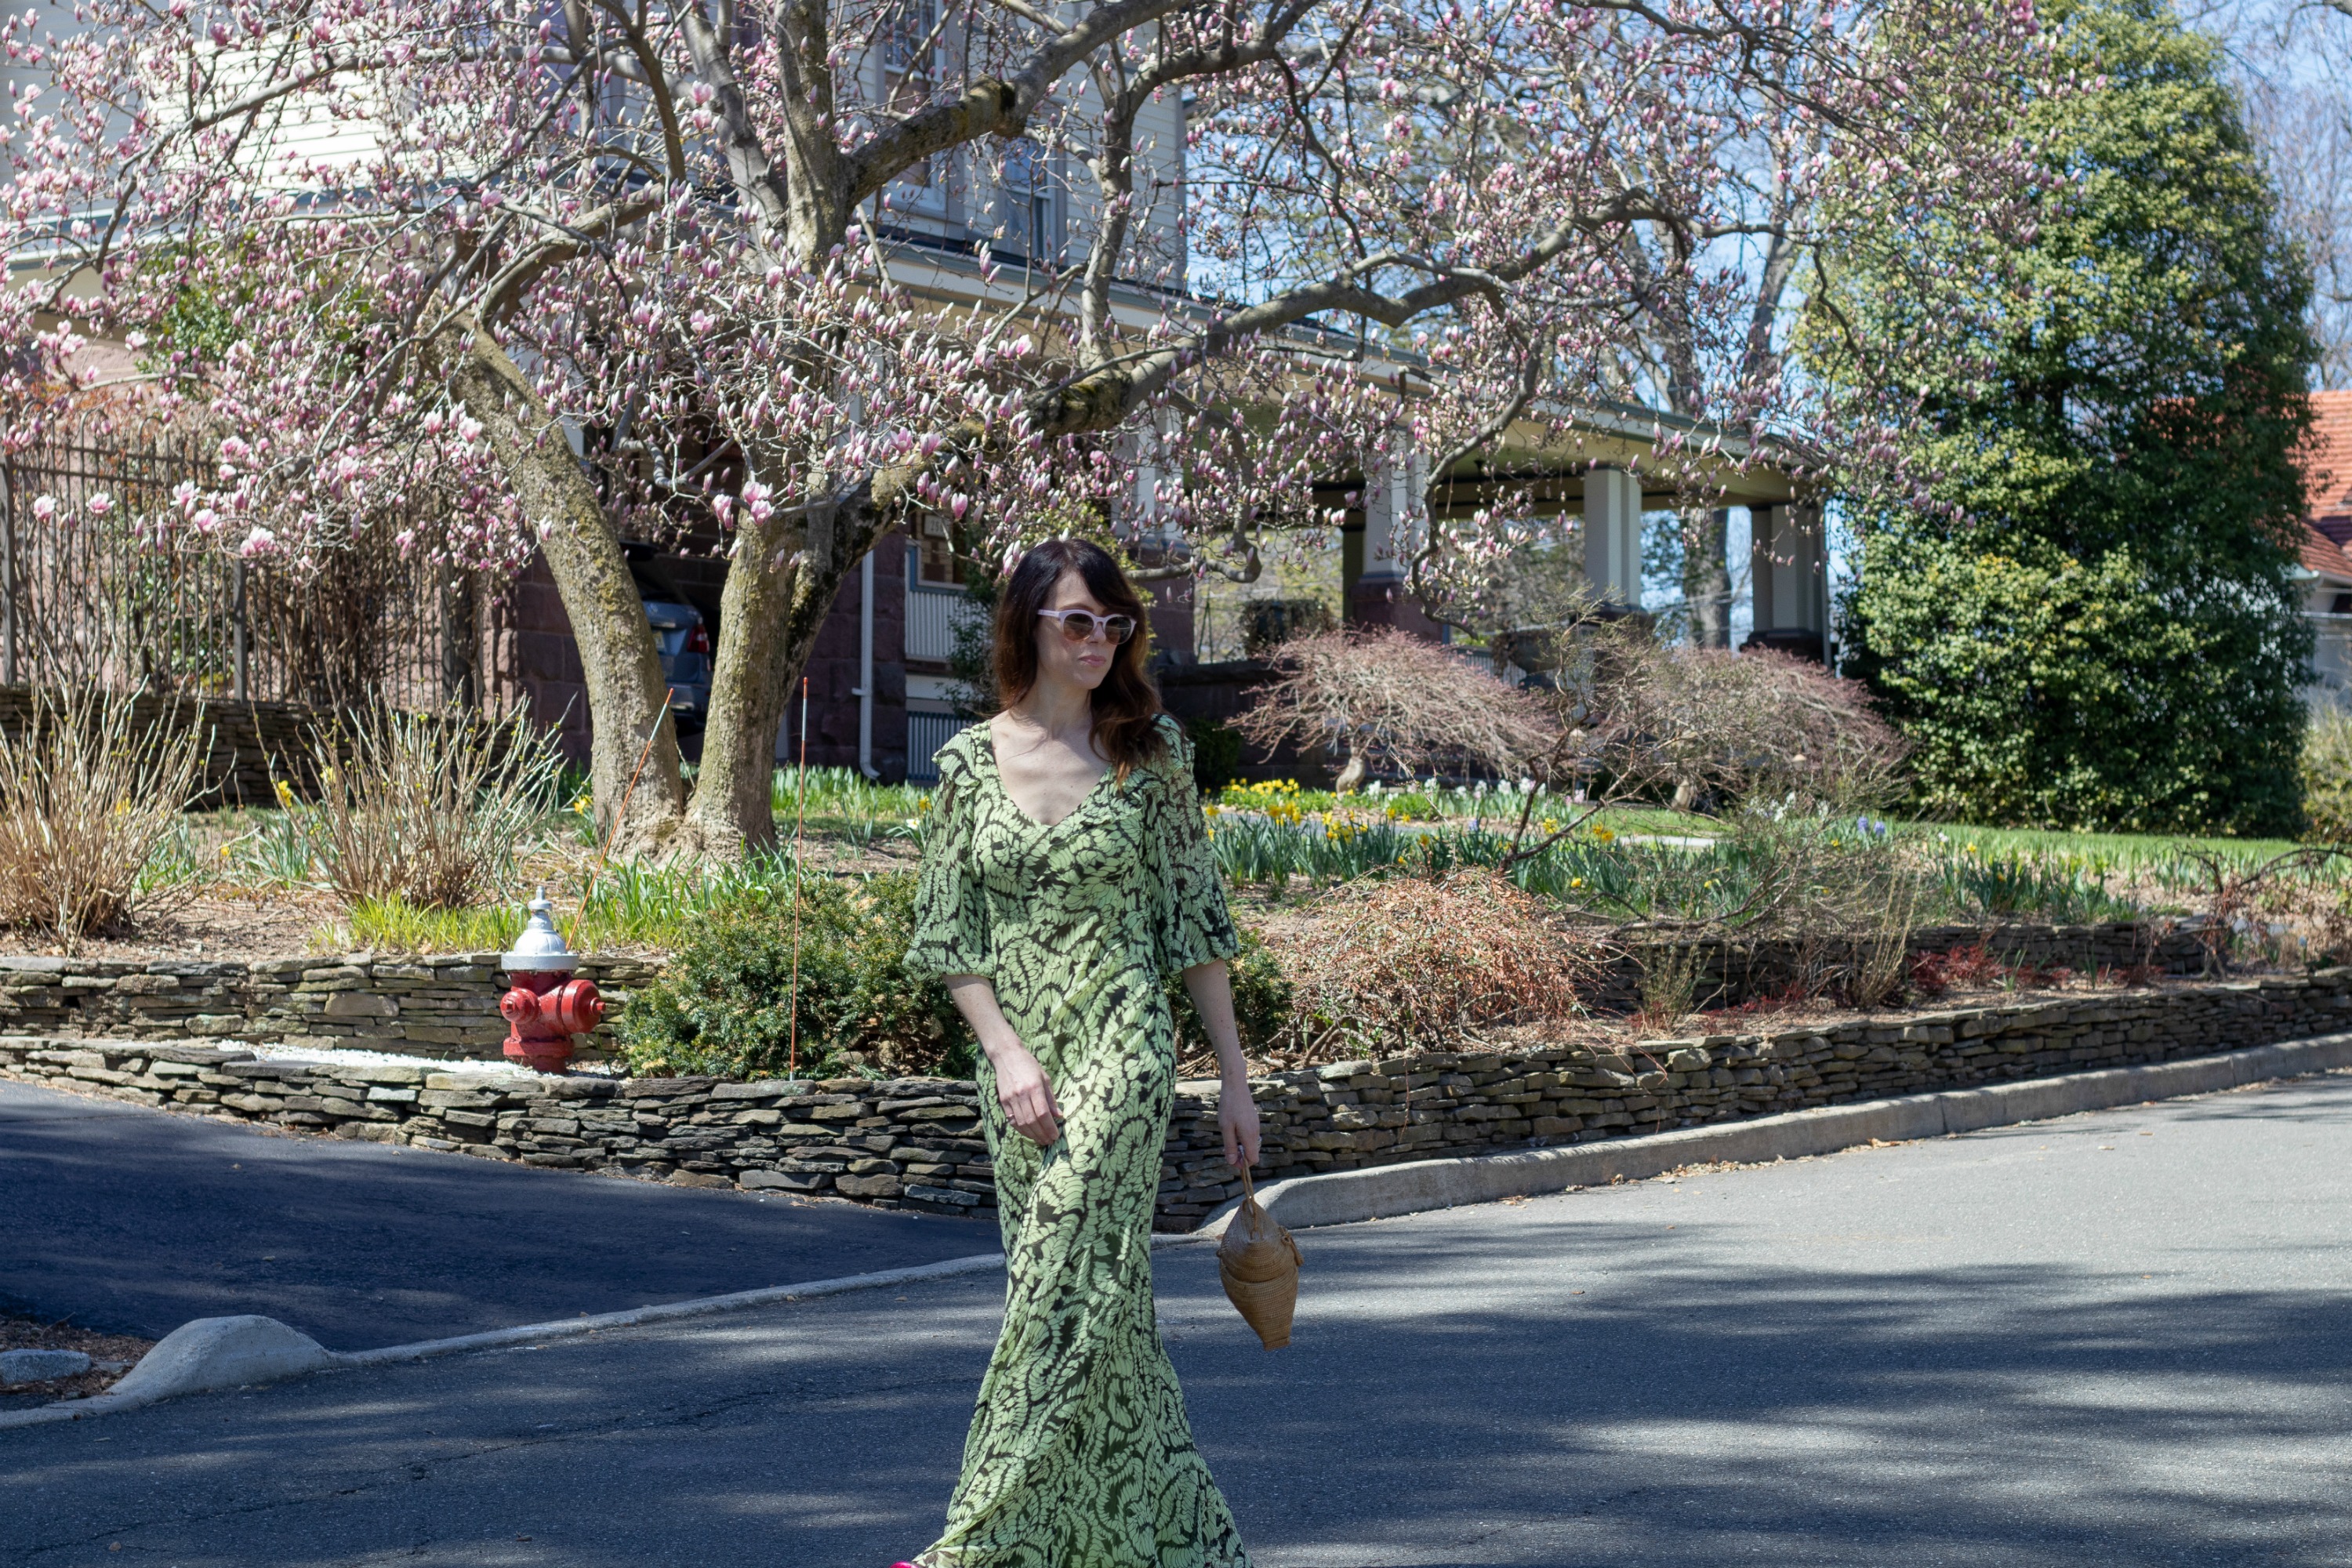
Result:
<point x="597" y="269"/>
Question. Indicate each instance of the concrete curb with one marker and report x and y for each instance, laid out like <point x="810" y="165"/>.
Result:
<point x="220" y="1352"/>
<point x="1343" y="1198"/>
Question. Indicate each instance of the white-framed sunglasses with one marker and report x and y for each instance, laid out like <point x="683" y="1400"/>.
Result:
<point x="1080" y="625"/>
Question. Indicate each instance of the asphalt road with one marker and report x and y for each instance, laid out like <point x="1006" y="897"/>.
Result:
<point x="134" y="1221"/>
<point x="2123" y="1338"/>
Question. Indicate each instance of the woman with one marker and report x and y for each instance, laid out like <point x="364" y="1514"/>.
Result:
<point x="1067" y="871"/>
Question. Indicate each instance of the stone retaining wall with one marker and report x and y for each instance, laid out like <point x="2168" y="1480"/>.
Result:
<point x="916" y="1144"/>
<point x="443" y="1008"/>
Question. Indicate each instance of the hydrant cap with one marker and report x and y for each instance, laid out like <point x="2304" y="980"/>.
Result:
<point x="541" y="947"/>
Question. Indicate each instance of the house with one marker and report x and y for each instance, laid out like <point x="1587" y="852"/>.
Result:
<point x="883" y="691"/>
<point x="2327" y="548"/>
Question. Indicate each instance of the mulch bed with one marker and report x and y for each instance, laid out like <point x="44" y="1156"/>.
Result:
<point x="111" y="1356"/>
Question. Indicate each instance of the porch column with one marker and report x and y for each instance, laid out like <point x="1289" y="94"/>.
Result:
<point x="1789" y="565"/>
<point x="1378" y="596"/>
<point x="1612" y="535"/>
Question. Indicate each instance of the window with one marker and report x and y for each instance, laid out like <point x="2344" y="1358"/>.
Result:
<point x="1029" y="201"/>
<point x="936" y="561"/>
<point x="2342" y="605"/>
<point x="909" y="68"/>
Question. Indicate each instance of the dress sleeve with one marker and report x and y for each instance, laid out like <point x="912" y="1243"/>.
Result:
<point x="1195" y="926"/>
<point x="951" y="933"/>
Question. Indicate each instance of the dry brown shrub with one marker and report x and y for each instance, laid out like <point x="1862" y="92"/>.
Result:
<point x="87" y="793"/>
<point x="429" y="808"/>
<point x="1385" y="699"/>
<point x="1702" y="727"/>
<point x="1391" y="966"/>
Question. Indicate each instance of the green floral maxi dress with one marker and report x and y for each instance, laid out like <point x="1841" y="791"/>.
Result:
<point x="1079" y="1454"/>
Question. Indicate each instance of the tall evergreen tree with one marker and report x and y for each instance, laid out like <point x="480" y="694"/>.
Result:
<point x="2096" y="625"/>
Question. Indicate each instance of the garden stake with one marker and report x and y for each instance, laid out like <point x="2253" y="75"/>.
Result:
<point x="800" y="820"/>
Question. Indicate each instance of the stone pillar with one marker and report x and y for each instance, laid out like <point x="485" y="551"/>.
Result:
<point x="1612" y="535"/>
<point x="1377" y="596"/>
<point x="1789" y="566"/>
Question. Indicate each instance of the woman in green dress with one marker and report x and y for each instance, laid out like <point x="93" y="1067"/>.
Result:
<point x="1067" y="870"/>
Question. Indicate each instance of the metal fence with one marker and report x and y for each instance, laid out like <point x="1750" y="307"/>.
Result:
<point x="926" y="733"/>
<point x="96" y="590"/>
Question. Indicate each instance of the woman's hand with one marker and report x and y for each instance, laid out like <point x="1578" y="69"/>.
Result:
<point x="1237" y="1120"/>
<point x="1026" y="1097"/>
<point x="1021" y="1086"/>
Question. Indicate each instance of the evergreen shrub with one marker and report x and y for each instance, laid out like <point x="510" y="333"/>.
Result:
<point x="723" y="1003"/>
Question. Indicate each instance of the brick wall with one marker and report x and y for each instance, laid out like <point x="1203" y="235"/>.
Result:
<point x="248" y="744"/>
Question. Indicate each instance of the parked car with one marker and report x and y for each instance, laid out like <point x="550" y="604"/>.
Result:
<point x="684" y="643"/>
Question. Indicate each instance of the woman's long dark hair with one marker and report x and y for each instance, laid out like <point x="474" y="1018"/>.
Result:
<point x="1127" y="704"/>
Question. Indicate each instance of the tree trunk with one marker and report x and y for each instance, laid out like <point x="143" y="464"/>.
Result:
<point x="780" y="584"/>
<point x="1707" y="574"/>
<point x="626" y="694"/>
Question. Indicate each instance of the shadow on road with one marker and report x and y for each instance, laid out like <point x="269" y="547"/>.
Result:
<point x="1429" y="1414"/>
<point x="135" y="1221"/>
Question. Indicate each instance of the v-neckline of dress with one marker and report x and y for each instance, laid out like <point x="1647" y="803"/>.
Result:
<point x="996" y="771"/>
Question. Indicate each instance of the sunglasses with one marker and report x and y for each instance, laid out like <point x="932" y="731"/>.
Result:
<point x="1080" y="625"/>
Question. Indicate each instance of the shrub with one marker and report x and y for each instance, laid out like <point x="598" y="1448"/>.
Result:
<point x="88" y="794"/>
<point x="2327" y="775"/>
<point x="1389" y="701"/>
<point x="1263" y="1001"/>
<point x="723" y="1003"/>
<point x="1701" y="728"/>
<point x="1418" y="964"/>
<point x="430" y="809"/>
<point x="1216" y="754"/>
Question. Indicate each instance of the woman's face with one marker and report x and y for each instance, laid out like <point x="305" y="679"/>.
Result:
<point x="1079" y="664"/>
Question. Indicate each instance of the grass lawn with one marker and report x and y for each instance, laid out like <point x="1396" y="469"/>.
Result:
<point x="2122" y="852"/>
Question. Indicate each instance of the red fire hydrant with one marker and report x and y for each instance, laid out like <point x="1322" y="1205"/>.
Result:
<point x="546" y="1007"/>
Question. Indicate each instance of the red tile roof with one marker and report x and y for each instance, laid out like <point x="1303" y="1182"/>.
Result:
<point x="2327" y="468"/>
<point x="2327" y="465"/>
<point x="2321" y="554"/>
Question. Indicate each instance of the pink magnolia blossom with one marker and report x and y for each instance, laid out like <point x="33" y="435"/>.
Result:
<point x="1410" y="235"/>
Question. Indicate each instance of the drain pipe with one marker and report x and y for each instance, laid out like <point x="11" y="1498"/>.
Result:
<point x="866" y="667"/>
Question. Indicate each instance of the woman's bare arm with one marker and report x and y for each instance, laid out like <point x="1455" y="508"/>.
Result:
<point x="1211" y="991"/>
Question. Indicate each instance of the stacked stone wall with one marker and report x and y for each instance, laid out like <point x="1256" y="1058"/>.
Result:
<point x="916" y="1142"/>
<point x="443" y="1008"/>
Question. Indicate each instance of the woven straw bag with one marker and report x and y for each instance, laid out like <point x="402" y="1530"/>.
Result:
<point x="1258" y="1262"/>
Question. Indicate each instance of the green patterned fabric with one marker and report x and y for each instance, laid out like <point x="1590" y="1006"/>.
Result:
<point x="1079" y="1454"/>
